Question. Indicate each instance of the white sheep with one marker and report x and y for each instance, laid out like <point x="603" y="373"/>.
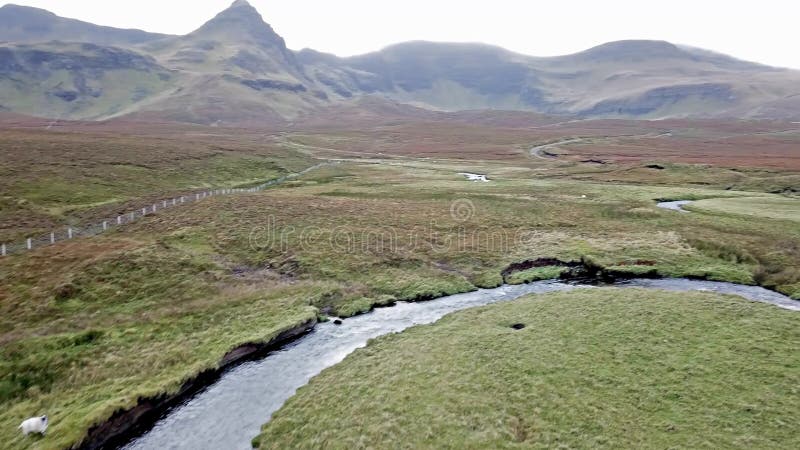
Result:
<point x="34" y="425"/>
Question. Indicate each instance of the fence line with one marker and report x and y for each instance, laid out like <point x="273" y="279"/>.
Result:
<point x="70" y="232"/>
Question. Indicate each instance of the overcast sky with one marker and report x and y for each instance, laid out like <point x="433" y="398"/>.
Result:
<point x="765" y="31"/>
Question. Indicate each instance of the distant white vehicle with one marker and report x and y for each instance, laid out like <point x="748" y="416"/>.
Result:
<point x="475" y="177"/>
<point x="34" y="425"/>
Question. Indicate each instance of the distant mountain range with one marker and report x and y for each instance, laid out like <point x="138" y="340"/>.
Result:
<point x="236" y="70"/>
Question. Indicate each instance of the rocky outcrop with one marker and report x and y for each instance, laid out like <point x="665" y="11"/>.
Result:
<point x="38" y="60"/>
<point x="73" y="80"/>
<point x="662" y="97"/>
<point x="262" y="84"/>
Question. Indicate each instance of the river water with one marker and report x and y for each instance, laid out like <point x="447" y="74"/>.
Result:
<point x="230" y="413"/>
<point x="675" y="206"/>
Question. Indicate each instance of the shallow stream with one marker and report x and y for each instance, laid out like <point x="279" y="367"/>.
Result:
<point x="228" y="414"/>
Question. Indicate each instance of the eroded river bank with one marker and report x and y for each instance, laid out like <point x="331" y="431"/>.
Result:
<point x="231" y="411"/>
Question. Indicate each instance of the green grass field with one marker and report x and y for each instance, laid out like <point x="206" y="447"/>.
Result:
<point x="773" y="208"/>
<point x="599" y="368"/>
<point x="89" y="325"/>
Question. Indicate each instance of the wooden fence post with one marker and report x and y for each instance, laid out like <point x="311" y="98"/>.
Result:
<point x="69" y="233"/>
<point x="30" y="244"/>
<point x="52" y="238"/>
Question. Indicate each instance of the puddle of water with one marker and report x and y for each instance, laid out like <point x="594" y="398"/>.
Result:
<point x="475" y="177"/>
<point x="675" y="206"/>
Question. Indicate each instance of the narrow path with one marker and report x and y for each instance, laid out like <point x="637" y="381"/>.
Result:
<point x="540" y="151"/>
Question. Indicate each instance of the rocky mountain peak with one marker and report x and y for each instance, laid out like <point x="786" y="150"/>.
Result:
<point x="241" y="22"/>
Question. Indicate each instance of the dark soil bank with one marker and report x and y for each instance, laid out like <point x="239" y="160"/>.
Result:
<point x="124" y="425"/>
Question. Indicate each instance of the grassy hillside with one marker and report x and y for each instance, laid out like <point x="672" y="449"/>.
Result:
<point x="600" y="368"/>
<point x="195" y="281"/>
<point x="26" y="24"/>
<point x="78" y="80"/>
<point x="642" y="79"/>
<point x="235" y="70"/>
<point x="88" y="325"/>
<point x="780" y="208"/>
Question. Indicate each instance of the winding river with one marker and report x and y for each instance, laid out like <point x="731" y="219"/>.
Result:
<point x="230" y="413"/>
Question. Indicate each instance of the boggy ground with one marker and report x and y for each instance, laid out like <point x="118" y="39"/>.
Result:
<point x="599" y="368"/>
<point x="88" y="326"/>
<point x="53" y="177"/>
